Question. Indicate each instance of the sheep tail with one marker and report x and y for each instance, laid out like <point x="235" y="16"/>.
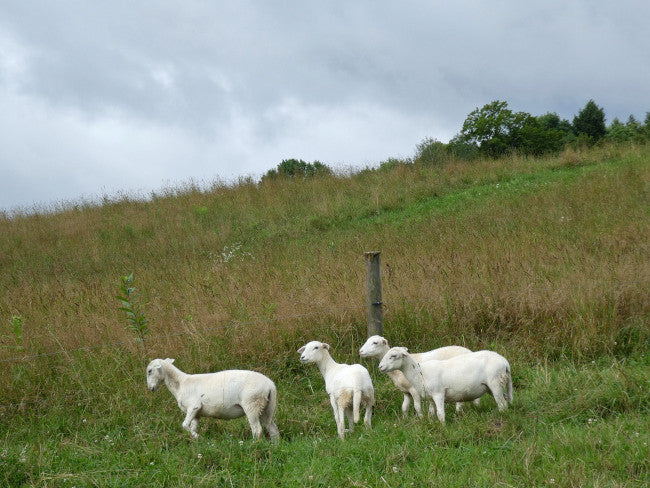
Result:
<point x="271" y="403"/>
<point x="356" y="404"/>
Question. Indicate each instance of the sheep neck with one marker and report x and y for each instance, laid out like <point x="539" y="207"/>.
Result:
<point x="413" y="372"/>
<point x="173" y="377"/>
<point x="326" y="364"/>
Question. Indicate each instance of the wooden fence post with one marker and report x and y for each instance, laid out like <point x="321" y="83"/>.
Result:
<point x="374" y="311"/>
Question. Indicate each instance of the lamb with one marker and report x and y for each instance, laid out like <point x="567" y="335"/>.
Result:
<point x="458" y="379"/>
<point x="226" y="395"/>
<point x="377" y="346"/>
<point x="348" y="386"/>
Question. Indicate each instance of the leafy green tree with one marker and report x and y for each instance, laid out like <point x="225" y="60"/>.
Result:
<point x="297" y="167"/>
<point x="590" y="122"/>
<point x="495" y="130"/>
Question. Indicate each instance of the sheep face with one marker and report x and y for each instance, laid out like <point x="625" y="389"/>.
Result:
<point x="155" y="373"/>
<point x="313" y="351"/>
<point x="375" y="346"/>
<point x="393" y="359"/>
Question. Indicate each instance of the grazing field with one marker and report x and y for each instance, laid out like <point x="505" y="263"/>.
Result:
<point x="545" y="261"/>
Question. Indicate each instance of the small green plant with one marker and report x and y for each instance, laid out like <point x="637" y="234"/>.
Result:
<point x="17" y="325"/>
<point x="137" y="321"/>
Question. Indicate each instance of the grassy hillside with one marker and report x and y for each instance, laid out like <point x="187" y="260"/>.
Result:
<point x="544" y="260"/>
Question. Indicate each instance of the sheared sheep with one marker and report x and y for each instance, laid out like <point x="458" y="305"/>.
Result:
<point x="377" y="346"/>
<point x="348" y="386"/>
<point x="458" y="379"/>
<point x="225" y="395"/>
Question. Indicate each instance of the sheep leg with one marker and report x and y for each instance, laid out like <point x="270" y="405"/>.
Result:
<point x="271" y="428"/>
<point x="253" y="416"/>
<point x="191" y="422"/>
<point x="349" y="414"/>
<point x="417" y="403"/>
<point x="335" y="408"/>
<point x="340" y="423"/>
<point x="496" y="389"/>
<point x="406" y="404"/>
<point x="338" y="417"/>
<point x="432" y="409"/>
<point x="367" y="418"/>
<point x="459" y="407"/>
<point x="439" y="400"/>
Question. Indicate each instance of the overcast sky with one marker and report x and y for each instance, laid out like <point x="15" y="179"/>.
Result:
<point x="105" y="97"/>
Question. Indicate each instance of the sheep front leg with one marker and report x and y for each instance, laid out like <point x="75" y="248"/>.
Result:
<point x="439" y="400"/>
<point x="406" y="404"/>
<point x="191" y="422"/>
<point x="338" y="417"/>
<point x="417" y="402"/>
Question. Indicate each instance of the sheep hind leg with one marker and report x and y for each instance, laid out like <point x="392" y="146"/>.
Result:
<point x="267" y="420"/>
<point x="367" y="418"/>
<point x="496" y="389"/>
<point x="350" y="416"/>
<point x="253" y="410"/>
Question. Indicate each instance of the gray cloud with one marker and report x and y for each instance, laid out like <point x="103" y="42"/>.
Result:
<point x="101" y="97"/>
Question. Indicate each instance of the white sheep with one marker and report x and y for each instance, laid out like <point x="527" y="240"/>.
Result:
<point x="225" y="395"/>
<point x="458" y="379"/>
<point x="348" y="385"/>
<point x="377" y="346"/>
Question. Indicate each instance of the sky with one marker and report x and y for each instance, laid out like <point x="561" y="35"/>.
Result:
<point x="104" y="99"/>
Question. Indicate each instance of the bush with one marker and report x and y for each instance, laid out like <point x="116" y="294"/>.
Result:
<point x="297" y="167"/>
<point x="431" y="152"/>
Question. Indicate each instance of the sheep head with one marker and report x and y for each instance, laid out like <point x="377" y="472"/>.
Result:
<point x="375" y="346"/>
<point x="313" y="351"/>
<point x="393" y="359"/>
<point x="155" y="373"/>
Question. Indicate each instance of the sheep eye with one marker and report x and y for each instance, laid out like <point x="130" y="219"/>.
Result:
<point x="374" y="343"/>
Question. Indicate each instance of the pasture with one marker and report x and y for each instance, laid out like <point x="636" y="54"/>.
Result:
<point x="545" y="261"/>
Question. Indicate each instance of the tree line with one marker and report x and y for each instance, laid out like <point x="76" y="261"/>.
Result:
<point x="494" y="130"/>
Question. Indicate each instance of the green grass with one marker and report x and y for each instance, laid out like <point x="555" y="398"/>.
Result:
<point x="543" y="260"/>
<point x="570" y="425"/>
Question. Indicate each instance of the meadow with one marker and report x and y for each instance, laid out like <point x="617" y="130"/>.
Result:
<point x="544" y="260"/>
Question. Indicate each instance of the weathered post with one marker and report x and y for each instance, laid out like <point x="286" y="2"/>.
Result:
<point x="374" y="312"/>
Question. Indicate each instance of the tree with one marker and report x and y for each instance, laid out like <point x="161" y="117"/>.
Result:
<point x="494" y="128"/>
<point x="297" y="167"/>
<point x="590" y="122"/>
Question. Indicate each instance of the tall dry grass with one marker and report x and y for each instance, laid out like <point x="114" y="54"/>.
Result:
<point x="549" y="255"/>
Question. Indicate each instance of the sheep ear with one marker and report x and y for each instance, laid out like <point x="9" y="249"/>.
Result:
<point x="170" y="361"/>
<point x="385" y="342"/>
<point x="326" y="346"/>
<point x="301" y="350"/>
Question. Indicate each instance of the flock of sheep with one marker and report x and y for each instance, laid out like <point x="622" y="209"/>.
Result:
<point x="448" y="374"/>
